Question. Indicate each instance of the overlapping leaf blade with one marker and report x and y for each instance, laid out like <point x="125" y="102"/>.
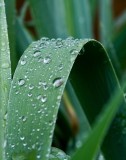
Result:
<point x="5" y="76"/>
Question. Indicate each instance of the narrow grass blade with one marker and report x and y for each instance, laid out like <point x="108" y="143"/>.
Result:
<point x="57" y="154"/>
<point x="23" y="38"/>
<point x="10" y="12"/>
<point x="5" y="77"/>
<point x="106" y="23"/>
<point x="52" y="26"/>
<point x="90" y="148"/>
<point x="78" y="17"/>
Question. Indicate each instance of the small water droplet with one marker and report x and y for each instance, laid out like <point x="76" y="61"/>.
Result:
<point x="39" y="97"/>
<point x="73" y="51"/>
<point x="31" y="87"/>
<point x="60" y="66"/>
<point x="44" y="98"/>
<point x="38" y="156"/>
<point x="24" y="118"/>
<point x="23" y="62"/>
<point x="24" y="144"/>
<point x="47" y="60"/>
<point x="57" y="82"/>
<point x="36" y="53"/>
<point x="22" y="138"/>
<point x="29" y="94"/>
<point x="59" y="43"/>
<point x="21" y="82"/>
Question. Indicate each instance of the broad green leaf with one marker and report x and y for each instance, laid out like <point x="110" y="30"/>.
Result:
<point x="90" y="148"/>
<point x="5" y="77"/>
<point x="57" y="154"/>
<point x="10" y="12"/>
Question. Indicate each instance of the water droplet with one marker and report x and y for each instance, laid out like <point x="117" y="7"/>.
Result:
<point x="24" y="144"/>
<point x="5" y="143"/>
<point x="24" y="118"/>
<point x="23" y="62"/>
<point x="60" y="66"/>
<point x="21" y="82"/>
<point x="31" y="87"/>
<point x="44" y="98"/>
<point x="73" y="51"/>
<point x="12" y="145"/>
<point x="57" y="82"/>
<point x="47" y="60"/>
<point x="39" y="97"/>
<point x="38" y="156"/>
<point x="22" y="138"/>
<point x="29" y="94"/>
<point x="59" y="43"/>
<point x="36" y="53"/>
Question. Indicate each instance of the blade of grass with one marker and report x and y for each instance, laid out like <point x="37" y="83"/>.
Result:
<point x="10" y="12"/>
<point x="23" y="38"/>
<point x="90" y="148"/>
<point x="52" y="26"/>
<point x="5" y="77"/>
<point x="106" y="22"/>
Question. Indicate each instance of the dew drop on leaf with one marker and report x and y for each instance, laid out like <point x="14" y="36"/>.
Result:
<point x="73" y="51"/>
<point x="22" y="138"/>
<point x="47" y="60"/>
<point x="31" y="87"/>
<point x="57" y="82"/>
<point x="21" y="82"/>
<point x="23" y="62"/>
<point x="44" y="98"/>
<point x="24" y="118"/>
<point x="36" y="53"/>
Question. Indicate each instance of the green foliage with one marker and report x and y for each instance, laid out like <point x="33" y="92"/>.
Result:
<point x="73" y="81"/>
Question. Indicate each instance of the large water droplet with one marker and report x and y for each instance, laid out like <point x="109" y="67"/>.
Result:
<point x="21" y="82"/>
<point x="36" y="53"/>
<point x="57" y="82"/>
<point x="23" y="62"/>
<point x="47" y="60"/>
<point x="44" y="98"/>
